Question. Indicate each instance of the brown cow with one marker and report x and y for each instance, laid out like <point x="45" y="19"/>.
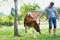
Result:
<point x="30" y="22"/>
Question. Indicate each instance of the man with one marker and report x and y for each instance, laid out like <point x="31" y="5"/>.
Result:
<point x="51" y="14"/>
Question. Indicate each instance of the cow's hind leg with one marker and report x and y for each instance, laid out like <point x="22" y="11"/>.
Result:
<point x="26" y="32"/>
<point x="34" y="32"/>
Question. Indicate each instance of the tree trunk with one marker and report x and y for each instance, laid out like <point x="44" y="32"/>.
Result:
<point x="15" y="19"/>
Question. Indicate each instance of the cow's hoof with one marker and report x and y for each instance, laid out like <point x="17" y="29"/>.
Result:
<point x="35" y="37"/>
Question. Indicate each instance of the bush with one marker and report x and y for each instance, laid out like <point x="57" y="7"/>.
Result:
<point x="6" y="20"/>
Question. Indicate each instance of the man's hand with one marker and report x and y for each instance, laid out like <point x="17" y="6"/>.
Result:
<point x="57" y="17"/>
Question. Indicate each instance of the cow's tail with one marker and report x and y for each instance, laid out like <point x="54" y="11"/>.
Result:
<point x="24" y="23"/>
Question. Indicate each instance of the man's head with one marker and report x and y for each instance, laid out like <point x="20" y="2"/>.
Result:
<point x="51" y="4"/>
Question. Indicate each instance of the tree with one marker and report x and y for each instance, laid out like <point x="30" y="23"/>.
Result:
<point x="25" y="8"/>
<point x="15" y="19"/>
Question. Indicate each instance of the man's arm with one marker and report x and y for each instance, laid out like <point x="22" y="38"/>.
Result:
<point x="56" y="14"/>
<point x="46" y="12"/>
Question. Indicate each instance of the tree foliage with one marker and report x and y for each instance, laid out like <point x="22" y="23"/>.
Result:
<point x="25" y="8"/>
<point x="58" y="9"/>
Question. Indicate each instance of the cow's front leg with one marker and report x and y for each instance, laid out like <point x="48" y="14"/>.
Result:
<point x="26" y="35"/>
<point x="34" y="32"/>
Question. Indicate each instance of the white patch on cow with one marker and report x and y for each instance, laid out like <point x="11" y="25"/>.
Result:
<point x="37" y="20"/>
<point x="29" y="13"/>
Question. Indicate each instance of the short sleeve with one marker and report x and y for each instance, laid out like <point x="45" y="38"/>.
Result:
<point x="54" y="9"/>
<point x="45" y="9"/>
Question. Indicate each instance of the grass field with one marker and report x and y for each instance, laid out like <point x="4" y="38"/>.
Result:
<point x="6" y="33"/>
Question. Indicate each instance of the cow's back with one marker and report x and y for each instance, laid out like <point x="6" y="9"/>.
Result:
<point x="28" y="21"/>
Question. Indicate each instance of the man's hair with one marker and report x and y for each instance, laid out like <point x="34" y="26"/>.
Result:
<point x="52" y="3"/>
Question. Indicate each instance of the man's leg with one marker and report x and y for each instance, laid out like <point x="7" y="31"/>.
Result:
<point x="49" y="31"/>
<point x="54" y="31"/>
<point x="50" y="25"/>
<point x="54" y="23"/>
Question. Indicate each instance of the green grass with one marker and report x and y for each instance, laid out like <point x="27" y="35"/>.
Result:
<point x="7" y="33"/>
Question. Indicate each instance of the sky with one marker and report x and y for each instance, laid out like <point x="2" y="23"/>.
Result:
<point x="6" y="6"/>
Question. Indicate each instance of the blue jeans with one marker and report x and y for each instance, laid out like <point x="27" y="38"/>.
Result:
<point x="52" y="20"/>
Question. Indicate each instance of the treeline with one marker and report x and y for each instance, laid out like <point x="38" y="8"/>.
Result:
<point x="9" y="19"/>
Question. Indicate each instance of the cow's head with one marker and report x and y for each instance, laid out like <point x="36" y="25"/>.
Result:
<point x="36" y="27"/>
